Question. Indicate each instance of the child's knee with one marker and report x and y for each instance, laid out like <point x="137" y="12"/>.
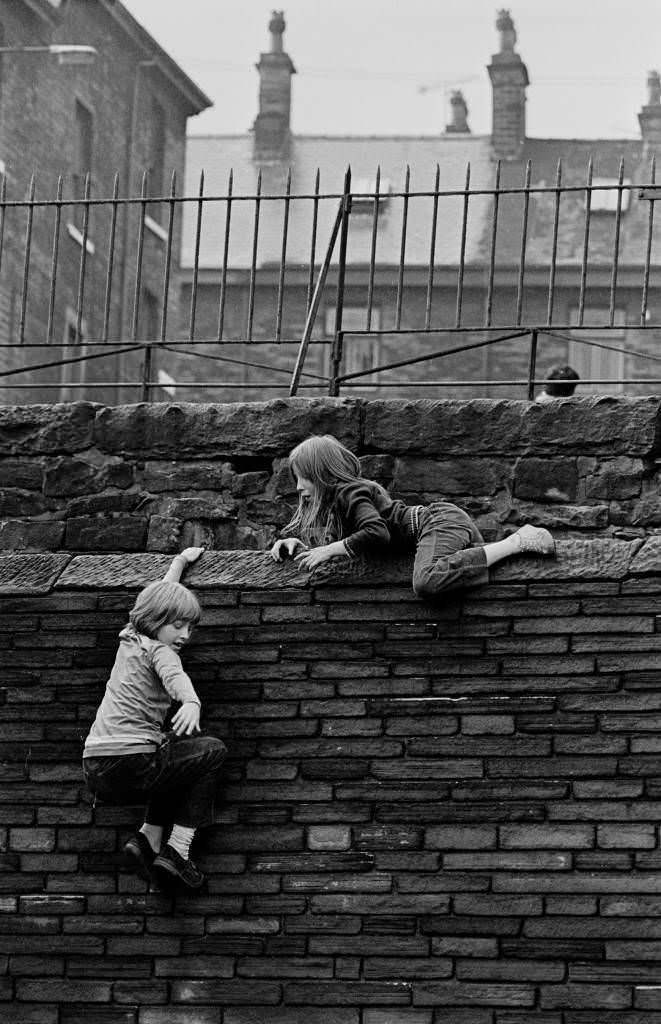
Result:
<point x="214" y="749"/>
<point x="426" y="585"/>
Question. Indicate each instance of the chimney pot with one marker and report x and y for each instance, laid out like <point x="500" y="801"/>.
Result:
<point x="272" y="135"/>
<point x="459" y="123"/>
<point x="509" y="79"/>
<point x="276" y="28"/>
<point x="505" y="27"/>
<point x="649" y="117"/>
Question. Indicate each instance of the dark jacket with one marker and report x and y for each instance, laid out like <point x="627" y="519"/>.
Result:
<point x="370" y="521"/>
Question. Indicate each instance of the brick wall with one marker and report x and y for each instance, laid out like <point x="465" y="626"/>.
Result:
<point x="84" y="477"/>
<point x="39" y="137"/>
<point x="430" y="813"/>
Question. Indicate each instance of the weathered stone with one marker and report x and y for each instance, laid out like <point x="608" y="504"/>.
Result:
<point x="164" y="533"/>
<point x="45" y="429"/>
<point x="71" y="476"/>
<point x="582" y="426"/>
<point x="647" y="511"/>
<point x="490" y="527"/>
<point x="117" y="473"/>
<point x="198" y="535"/>
<point x="21" y="535"/>
<point x="121" y="533"/>
<point x="244" y="569"/>
<point x="542" y="480"/>
<point x="329" y="837"/>
<point x="185" y="476"/>
<point x="24" y="473"/>
<point x="648" y="557"/>
<point x="235" y="429"/>
<point x="578" y="517"/>
<point x="576" y="559"/>
<point x="276" y="511"/>
<point x="16" y="503"/>
<point x="30" y="574"/>
<point x="202" y="506"/>
<point x="378" y="467"/>
<point x="86" y="473"/>
<point x="96" y="571"/>
<point x="282" y="481"/>
<point x="104" y="503"/>
<point x="615" y="479"/>
<point x="249" y="483"/>
<point x="469" y="476"/>
<point x="229" y="536"/>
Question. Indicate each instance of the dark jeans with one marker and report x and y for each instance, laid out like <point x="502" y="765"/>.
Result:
<point x="177" y="781"/>
<point x="449" y="551"/>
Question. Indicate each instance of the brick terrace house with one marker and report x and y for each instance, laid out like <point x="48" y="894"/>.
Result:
<point x="272" y="152"/>
<point x="124" y="113"/>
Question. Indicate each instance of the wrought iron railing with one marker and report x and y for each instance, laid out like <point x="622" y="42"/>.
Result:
<point x="121" y="296"/>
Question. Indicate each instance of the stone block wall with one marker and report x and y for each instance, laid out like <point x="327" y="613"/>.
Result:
<point x="431" y="813"/>
<point x="84" y="477"/>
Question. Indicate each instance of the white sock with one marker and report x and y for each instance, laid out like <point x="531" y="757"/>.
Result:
<point x="180" y="839"/>
<point x="154" y="835"/>
<point x="497" y="550"/>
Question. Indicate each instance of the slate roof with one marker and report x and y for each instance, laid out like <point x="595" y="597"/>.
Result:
<point x="575" y="155"/>
<point x="217" y="155"/>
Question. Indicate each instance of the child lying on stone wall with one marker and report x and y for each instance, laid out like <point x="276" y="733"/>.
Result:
<point x="129" y="758"/>
<point x="341" y="514"/>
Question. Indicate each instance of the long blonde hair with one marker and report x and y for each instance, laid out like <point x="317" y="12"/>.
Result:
<point x="325" y="462"/>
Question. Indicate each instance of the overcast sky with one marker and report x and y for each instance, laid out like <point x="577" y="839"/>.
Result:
<point x="388" y="66"/>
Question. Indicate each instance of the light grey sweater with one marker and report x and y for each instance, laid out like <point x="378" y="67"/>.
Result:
<point x="146" y="677"/>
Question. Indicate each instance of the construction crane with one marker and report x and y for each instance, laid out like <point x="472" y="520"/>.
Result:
<point x="446" y="85"/>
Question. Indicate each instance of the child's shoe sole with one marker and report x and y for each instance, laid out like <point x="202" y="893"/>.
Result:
<point x="139" y="855"/>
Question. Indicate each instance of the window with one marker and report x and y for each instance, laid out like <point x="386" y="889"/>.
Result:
<point x="360" y="351"/>
<point x="84" y="144"/>
<point x="604" y="200"/>
<point x="73" y="344"/>
<point x="2" y="69"/>
<point x="363" y="205"/>
<point x="156" y="166"/>
<point x="593" y="361"/>
<point x="148" y="320"/>
<point x="84" y="139"/>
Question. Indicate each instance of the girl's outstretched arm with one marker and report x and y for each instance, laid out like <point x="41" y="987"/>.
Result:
<point x="180" y="563"/>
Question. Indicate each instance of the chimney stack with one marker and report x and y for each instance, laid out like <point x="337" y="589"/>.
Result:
<point x="272" y="124"/>
<point x="650" y="115"/>
<point x="509" y="79"/>
<point x="459" y="123"/>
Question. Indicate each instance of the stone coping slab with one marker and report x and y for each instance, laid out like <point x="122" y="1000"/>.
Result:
<point x="576" y="560"/>
<point x="602" y="424"/>
<point x="251" y="569"/>
<point x="648" y="558"/>
<point x="31" y="574"/>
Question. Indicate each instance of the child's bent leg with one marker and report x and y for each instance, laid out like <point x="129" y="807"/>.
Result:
<point x="449" y="552"/>
<point x="185" y="794"/>
<point x="185" y="788"/>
